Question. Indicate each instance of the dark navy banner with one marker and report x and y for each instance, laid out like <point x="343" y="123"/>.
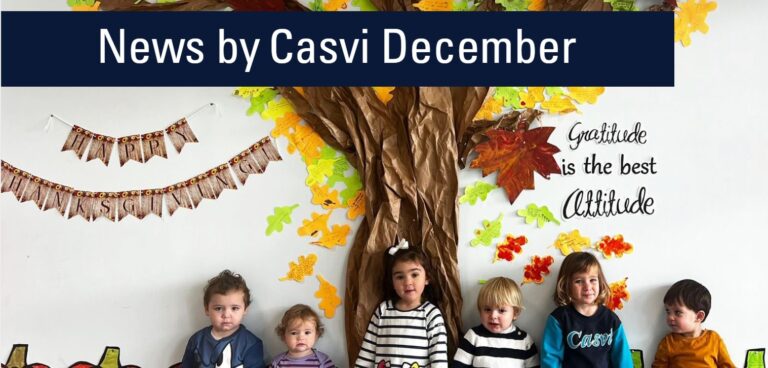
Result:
<point x="337" y="48"/>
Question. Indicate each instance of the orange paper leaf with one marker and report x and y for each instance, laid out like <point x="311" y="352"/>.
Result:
<point x="335" y="5"/>
<point x="537" y="5"/>
<point x="434" y="5"/>
<point x="615" y="246"/>
<point x="356" y="205"/>
<point x="516" y="155"/>
<point x="506" y="250"/>
<point x="619" y="293"/>
<point x="285" y="125"/>
<point x="337" y="236"/>
<point x="537" y="269"/>
<point x="307" y="142"/>
<point x="329" y="301"/>
<point x="305" y="267"/>
<point x="384" y="94"/>
<point x="323" y="196"/>
<point x="317" y="225"/>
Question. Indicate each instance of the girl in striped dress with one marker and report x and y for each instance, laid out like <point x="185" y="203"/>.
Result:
<point x="407" y="328"/>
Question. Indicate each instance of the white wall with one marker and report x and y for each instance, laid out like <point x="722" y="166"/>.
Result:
<point x="70" y="288"/>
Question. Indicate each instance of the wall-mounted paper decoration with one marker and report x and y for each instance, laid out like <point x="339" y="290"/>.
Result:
<point x="536" y="270"/>
<point x="18" y="358"/>
<point x="541" y="215"/>
<point x="516" y="155"/>
<point x="615" y="246"/>
<point x="134" y="147"/>
<point x="114" y="206"/>
<point x="755" y="358"/>
<point x="491" y="106"/>
<point x="303" y="268"/>
<point x="491" y="230"/>
<point x="84" y="5"/>
<point x="329" y="301"/>
<point x="109" y="359"/>
<point x="282" y="215"/>
<point x="556" y="100"/>
<point x="506" y="249"/>
<point x="384" y="94"/>
<point x="619" y="295"/>
<point x="477" y="190"/>
<point x="571" y="242"/>
<point x="637" y="358"/>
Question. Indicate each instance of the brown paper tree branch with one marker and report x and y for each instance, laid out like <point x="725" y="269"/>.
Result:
<point x="410" y="180"/>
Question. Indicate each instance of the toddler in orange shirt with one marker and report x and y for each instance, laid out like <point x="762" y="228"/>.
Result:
<point x="689" y="345"/>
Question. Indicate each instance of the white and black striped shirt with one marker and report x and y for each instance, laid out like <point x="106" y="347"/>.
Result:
<point x="510" y="349"/>
<point x="405" y="337"/>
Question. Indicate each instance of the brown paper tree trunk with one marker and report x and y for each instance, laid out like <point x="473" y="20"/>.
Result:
<point x="407" y="153"/>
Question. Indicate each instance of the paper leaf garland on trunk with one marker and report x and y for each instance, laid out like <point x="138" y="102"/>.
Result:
<point x="571" y="242"/>
<point x="337" y="236"/>
<point x="515" y="155"/>
<point x="322" y="196"/>
<point x="475" y="191"/>
<point x="329" y="301"/>
<point x="619" y="293"/>
<point x="356" y="206"/>
<point x="541" y="215"/>
<point x="115" y="206"/>
<point x="615" y="246"/>
<point x="536" y="270"/>
<point x="304" y="267"/>
<point x="282" y="215"/>
<point x="491" y="230"/>
<point x="506" y="250"/>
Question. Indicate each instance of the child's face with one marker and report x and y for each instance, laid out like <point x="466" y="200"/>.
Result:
<point x="300" y="337"/>
<point x="584" y="287"/>
<point x="497" y="319"/>
<point x="683" y="320"/>
<point x="409" y="280"/>
<point x="226" y="311"/>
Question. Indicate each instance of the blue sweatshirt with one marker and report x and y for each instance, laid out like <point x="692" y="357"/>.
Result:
<point x="573" y="340"/>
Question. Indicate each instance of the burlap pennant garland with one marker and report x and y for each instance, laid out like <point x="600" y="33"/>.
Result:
<point x="179" y="133"/>
<point x="115" y="206"/>
<point x="77" y="141"/>
<point x="136" y="147"/>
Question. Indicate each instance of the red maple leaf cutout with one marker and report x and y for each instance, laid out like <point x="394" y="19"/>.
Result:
<point x="619" y="294"/>
<point x="615" y="246"/>
<point x="506" y="250"/>
<point x="516" y="155"/>
<point x="537" y="269"/>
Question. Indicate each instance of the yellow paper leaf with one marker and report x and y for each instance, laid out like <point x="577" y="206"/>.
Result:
<point x="307" y="142"/>
<point x="585" y="94"/>
<point x="315" y="226"/>
<point x="529" y="98"/>
<point x="276" y="109"/>
<point x="94" y="7"/>
<point x="305" y="267"/>
<point x="491" y="106"/>
<point x="321" y="195"/>
<point x="248" y="92"/>
<point x="384" y="94"/>
<point x="300" y="90"/>
<point x="335" y="5"/>
<point x="538" y="5"/>
<point x="329" y="301"/>
<point x="356" y="205"/>
<point x="285" y="124"/>
<point x="319" y="172"/>
<point x="571" y="242"/>
<point x="691" y="16"/>
<point x="558" y="105"/>
<point x="336" y="237"/>
<point x="434" y="5"/>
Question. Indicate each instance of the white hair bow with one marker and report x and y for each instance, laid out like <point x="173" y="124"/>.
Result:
<point x="402" y="245"/>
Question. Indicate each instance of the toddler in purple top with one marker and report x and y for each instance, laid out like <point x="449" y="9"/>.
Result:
<point x="299" y="329"/>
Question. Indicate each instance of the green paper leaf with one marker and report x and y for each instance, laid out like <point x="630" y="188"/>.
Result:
<point x="364" y="5"/>
<point x="475" y="191"/>
<point x="755" y="358"/>
<point x="316" y="5"/>
<point x="464" y="5"/>
<point x="622" y="5"/>
<point x="282" y="215"/>
<point x="353" y="186"/>
<point x="490" y="231"/>
<point x="81" y="2"/>
<point x="259" y="102"/>
<point x="510" y="96"/>
<point x="514" y="5"/>
<point x="541" y="215"/>
<point x="319" y="172"/>
<point x="637" y="358"/>
<point x="482" y="282"/>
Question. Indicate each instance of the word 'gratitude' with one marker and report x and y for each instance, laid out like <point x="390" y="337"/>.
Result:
<point x="607" y="135"/>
